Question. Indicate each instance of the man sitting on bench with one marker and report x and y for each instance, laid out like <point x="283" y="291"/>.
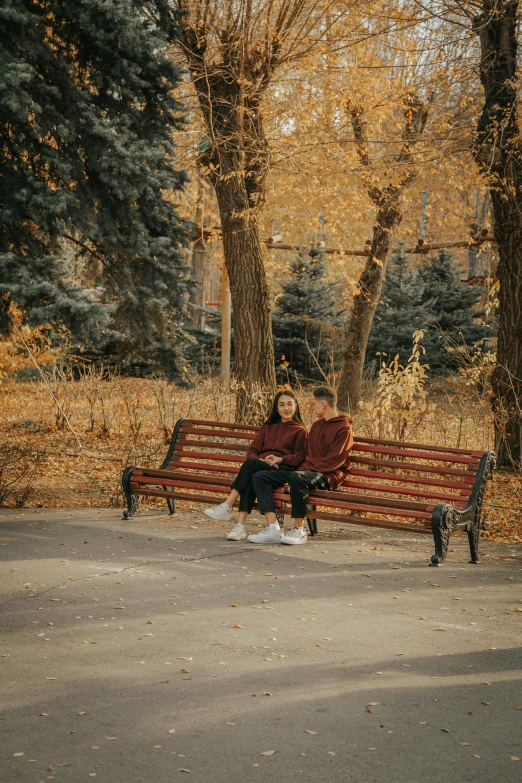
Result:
<point x="325" y="467"/>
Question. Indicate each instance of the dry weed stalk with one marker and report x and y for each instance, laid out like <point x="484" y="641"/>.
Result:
<point x="400" y="406"/>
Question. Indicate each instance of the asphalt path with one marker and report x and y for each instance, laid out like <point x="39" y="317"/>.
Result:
<point x="153" y="650"/>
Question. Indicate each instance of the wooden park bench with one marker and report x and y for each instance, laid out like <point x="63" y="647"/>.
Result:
<point x="435" y="489"/>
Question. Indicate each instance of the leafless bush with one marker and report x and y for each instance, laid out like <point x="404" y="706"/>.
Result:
<point x="18" y="470"/>
<point x="399" y="405"/>
<point x="60" y="381"/>
<point x="166" y="407"/>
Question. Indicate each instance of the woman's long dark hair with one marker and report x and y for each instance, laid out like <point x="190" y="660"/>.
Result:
<point x="275" y="416"/>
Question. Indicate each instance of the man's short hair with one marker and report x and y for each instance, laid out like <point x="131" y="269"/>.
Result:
<point x="327" y="394"/>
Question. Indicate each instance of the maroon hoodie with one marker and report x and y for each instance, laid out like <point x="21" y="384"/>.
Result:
<point x="328" y="449"/>
<point x="282" y="439"/>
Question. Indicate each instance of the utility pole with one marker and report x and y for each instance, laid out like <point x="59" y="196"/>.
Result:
<point x="226" y="328"/>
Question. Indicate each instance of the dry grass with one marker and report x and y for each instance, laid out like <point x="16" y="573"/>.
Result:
<point x="129" y="421"/>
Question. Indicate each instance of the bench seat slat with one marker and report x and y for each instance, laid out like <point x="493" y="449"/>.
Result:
<point x="145" y="481"/>
<point x="319" y="514"/>
<point x="173" y="477"/>
<point x="347" y="499"/>
<point x="369" y="521"/>
<point x="160" y="493"/>
<point x="367" y="507"/>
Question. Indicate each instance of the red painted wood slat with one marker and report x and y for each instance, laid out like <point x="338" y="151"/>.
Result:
<point x="351" y="519"/>
<point x="217" y="433"/>
<point x="222" y="424"/>
<point x="424" y="446"/>
<point x="397" y="477"/>
<point x="415" y="466"/>
<point x="406" y="491"/>
<point x="417" y="454"/>
<point x="230" y="468"/>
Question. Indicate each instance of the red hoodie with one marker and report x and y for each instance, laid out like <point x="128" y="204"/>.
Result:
<point x="282" y="439"/>
<point x="328" y="450"/>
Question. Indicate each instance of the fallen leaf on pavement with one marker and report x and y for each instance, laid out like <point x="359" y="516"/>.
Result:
<point x="309" y="731"/>
<point x="268" y="753"/>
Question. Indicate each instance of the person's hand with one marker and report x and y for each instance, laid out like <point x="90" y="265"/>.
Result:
<point x="273" y="460"/>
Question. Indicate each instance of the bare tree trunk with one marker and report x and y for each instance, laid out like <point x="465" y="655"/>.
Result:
<point x="236" y="161"/>
<point x="253" y="346"/>
<point x="199" y="274"/>
<point x="388" y="201"/>
<point x="199" y="260"/>
<point x="498" y="150"/>
<point x="365" y="301"/>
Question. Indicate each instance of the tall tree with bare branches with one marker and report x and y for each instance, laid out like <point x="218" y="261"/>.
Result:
<point x="495" y="25"/>
<point x="233" y="48"/>
<point x="385" y="189"/>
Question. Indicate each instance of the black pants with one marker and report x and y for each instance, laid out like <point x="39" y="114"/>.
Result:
<point x="300" y="481"/>
<point x="243" y="482"/>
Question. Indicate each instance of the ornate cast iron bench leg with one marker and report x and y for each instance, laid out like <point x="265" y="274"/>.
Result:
<point x="473" y="538"/>
<point x="312" y="523"/>
<point x="442" y="525"/>
<point x="130" y="497"/>
<point x="171" y="502"/>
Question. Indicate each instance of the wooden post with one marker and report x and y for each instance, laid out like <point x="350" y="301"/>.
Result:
<point x="226" y="324"/>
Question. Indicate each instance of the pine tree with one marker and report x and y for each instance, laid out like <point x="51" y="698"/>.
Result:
<point x="432" y="298"/>
<point x="306" y="313"/>
<point x="400" y="312"/>
<point x="86" y="156"/>
<point x="456" y="320"/>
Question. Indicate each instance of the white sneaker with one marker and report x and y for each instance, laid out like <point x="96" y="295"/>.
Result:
<point x="295" y="536"/>
<point x="237" y="533"/>
<point x="270" y="535"/>
<point x="223" y="512"/>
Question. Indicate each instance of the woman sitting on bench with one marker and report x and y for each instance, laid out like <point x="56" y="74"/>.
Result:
<point x="280" y="443"/>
